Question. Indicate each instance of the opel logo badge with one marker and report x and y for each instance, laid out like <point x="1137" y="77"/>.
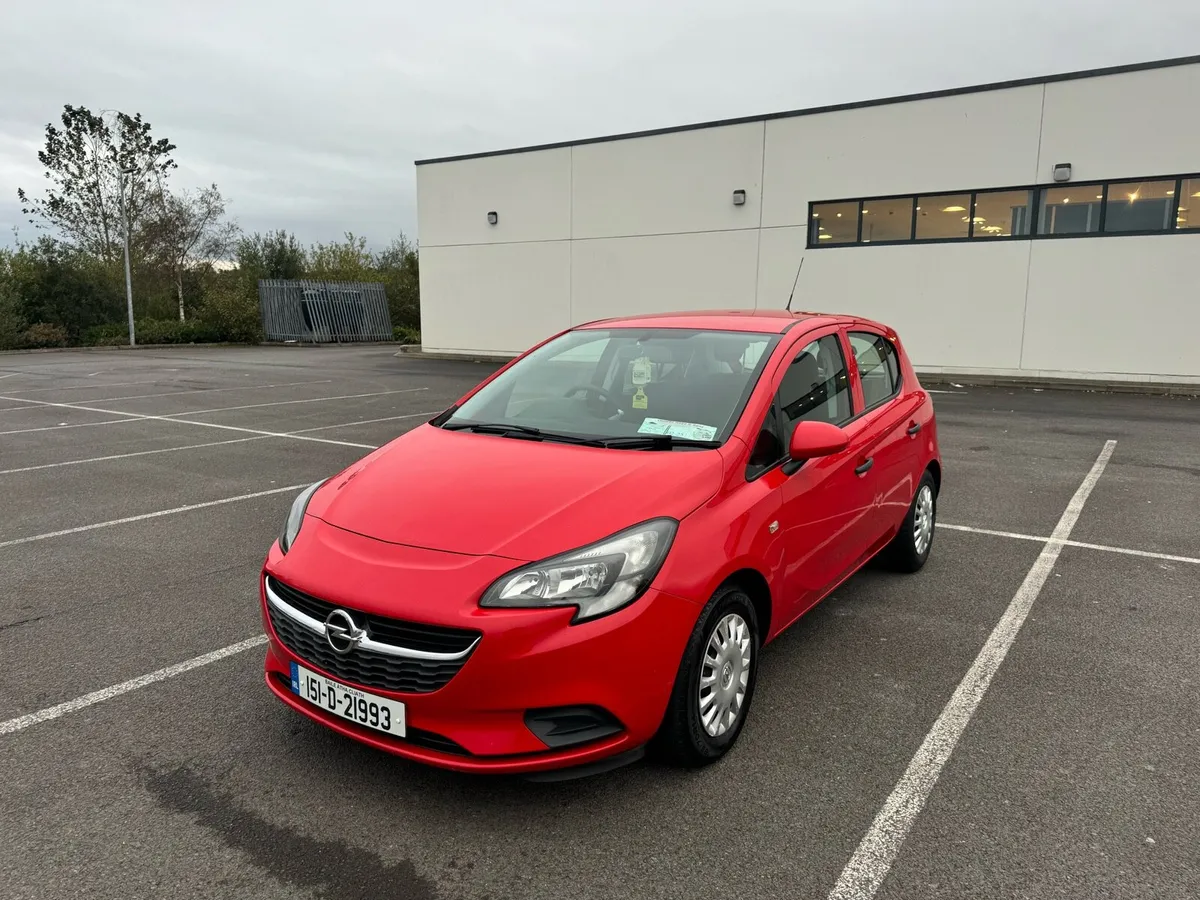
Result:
<point x="341" y="632"/>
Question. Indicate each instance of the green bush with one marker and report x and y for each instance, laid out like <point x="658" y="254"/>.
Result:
<point x="407" y="335"/>
<point x="43" y="334"/>
<point x="230" y="308"/>
<point x="113" y="334"/>
<point x="12" y="323"/>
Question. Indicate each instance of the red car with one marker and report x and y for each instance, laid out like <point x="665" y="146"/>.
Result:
<point x="586" y="554"/>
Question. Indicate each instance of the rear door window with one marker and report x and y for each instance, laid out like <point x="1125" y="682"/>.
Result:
<point x="878" y="366"/>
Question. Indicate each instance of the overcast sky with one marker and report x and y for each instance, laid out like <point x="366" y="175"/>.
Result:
<point x="308" y="115"/>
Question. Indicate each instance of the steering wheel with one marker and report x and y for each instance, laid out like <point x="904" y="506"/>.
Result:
<point x="610" y="406"/>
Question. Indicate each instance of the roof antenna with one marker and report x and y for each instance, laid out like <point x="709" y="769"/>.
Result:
<point x="797" y="279"/>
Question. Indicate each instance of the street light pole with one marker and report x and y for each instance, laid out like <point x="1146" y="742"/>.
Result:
<point x="125" y="234"/>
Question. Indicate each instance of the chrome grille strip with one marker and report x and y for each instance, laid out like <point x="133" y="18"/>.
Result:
<point x="367" y="643"/>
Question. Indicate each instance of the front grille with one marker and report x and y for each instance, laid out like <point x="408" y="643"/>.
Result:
<point x="364" y="667"/>
<point x="415" y="636"/>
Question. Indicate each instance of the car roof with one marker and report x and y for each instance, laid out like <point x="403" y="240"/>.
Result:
<point x="766" y="321"/>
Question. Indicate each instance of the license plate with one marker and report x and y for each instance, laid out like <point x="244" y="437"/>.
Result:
<point x="347" y="702"/>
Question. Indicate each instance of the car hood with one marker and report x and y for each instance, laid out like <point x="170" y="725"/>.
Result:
<point x="482" y="495"/>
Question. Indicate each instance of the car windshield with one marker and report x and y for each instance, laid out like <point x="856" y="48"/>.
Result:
<point x="634" y="383"/>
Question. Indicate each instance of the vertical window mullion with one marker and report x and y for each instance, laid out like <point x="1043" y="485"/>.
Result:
<point x="971" y="217"/>
<point x="1035" y="212"/>
<point x="912" y="232"/>
<point x="858" y="239"/>
<point x="1173" y="222"/>
<point x="1103" y="209"/>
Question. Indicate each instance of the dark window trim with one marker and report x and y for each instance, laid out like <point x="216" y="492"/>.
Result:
<point x="1034" y="215"/>
<point x="862" y="329"/>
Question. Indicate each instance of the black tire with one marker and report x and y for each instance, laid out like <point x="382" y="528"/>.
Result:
<point x="682" y="739"/>
<point x="903" y="554"/>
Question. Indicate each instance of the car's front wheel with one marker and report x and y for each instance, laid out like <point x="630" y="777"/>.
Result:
<point x="715" y="682"/>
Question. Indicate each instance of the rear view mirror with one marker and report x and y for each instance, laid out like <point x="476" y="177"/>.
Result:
<point x="810" y="439"/>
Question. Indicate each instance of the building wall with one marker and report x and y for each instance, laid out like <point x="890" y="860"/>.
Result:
<point x="648" y="224"/>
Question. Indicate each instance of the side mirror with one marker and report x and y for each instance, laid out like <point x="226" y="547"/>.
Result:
<point x="810" y="439"/>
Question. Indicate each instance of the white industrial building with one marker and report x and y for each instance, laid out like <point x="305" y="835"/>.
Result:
<point x="1047" y="227"/>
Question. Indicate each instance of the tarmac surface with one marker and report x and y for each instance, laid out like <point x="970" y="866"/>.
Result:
<point x="142" y="489"/>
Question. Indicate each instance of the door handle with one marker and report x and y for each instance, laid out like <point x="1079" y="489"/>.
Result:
<point x="865" y="467"/>
<point x="913" y="429"/>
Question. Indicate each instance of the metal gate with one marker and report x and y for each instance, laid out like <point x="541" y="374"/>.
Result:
<point x="323" y="312"/>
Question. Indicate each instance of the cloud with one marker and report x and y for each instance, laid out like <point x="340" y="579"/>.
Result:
<point x="308" y="115"/>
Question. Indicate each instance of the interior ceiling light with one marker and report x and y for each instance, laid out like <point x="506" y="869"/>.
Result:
<point x="839" y="215"/>
<point x="1133" y="195"/>
<point x="824" y="237"/>
<point x="918" y="209"/>
<point x="955" y="209"/>
<point x="1197" y="194"/>
<point x="1099" y="196"/>
<point x="866" y="211"/>
<point x="1170" y="193"/>
<point x="816" y="215"/>
<point x="1066" y="199"/>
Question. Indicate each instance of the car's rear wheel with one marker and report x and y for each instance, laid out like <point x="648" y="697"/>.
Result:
<point x="910" y="548"/>
<point x="714" y="684"/>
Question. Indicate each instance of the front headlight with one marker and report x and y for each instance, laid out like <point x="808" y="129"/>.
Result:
<point x="295" y="518"/>
<point x="597" y="579"/>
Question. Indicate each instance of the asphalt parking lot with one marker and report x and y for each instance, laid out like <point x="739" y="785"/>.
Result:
<point x="141" y="490"/>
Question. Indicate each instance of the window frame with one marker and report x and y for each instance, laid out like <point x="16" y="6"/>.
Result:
<point x="774" y="412"/>
<point x="862" y="397"/>
<point x="1034" y="214"/>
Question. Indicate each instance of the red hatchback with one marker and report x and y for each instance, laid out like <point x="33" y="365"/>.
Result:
<point x="585" y="555"/>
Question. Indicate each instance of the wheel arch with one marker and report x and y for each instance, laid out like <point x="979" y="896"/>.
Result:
<point x="757" y="588"/>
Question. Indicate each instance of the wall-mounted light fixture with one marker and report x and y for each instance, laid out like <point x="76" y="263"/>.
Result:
<point x="739" y="197"/>
<point x="493" y="217"/>
<point x="1062" y="171"/>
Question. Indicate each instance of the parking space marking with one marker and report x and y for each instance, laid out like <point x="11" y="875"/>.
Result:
<point x="151" y="515"/>
<point x="1107" y="548"/>
<point x="54" y="712"/>
<point x="173" y="417"/>
<point x="257" y="437"/>
<point x="243" y="387"/>
<point x="873" y="858"/>
<point x="91" y="387"/>
<point x="143" y="416"/>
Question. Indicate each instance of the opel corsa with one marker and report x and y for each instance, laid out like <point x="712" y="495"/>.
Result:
<point x="585" y="555"/>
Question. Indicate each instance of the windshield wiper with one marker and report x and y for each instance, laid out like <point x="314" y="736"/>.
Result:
<point x="656" y="442"/>
<point x="525" y="432"/>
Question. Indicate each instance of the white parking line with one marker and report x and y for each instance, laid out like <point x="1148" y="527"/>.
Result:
<point x="174" y="417"/>
<point x="257" y="437"/>
<point x="1107" y="548"/>
<point x="53" y="712"/>
<point x="150" y="515"/>
<point x="872" y="860"/>
<point x="111" y="384"/>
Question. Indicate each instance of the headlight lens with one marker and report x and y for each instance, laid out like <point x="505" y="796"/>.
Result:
<point x="295" y="517"/>
<point x="596" y="579"/>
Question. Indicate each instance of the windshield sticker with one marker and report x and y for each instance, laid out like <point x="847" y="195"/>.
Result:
<point x="640" y="401"/>
<point x="640" y="371"/>
<point x="688" y="430"/>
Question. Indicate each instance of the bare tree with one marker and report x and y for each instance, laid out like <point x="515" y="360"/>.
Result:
<point x="189" y="230"/>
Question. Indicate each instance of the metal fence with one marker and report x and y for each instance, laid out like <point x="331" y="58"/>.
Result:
<point x="323" y="312"/>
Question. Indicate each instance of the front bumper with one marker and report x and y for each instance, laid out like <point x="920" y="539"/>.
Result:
<point x="624" y="663"/>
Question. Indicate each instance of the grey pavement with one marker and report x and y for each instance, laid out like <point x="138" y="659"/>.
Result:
<point x="1076" y="777"/>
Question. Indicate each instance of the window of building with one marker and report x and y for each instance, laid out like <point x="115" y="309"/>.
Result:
<point x="943" y="216"/>
<point x="1002" y="214"/>
<point x="833" y="223"/>
<point x="887" y="220"/>
<point x="878" y="367"/>
<point x="1140" y="206"/>
<point x="1070" y="210"/>
<point x="1188" y="214"/>
<point x="815" y="387"/>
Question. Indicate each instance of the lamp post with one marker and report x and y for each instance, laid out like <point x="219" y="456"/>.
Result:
<point x="125" y="239"/>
